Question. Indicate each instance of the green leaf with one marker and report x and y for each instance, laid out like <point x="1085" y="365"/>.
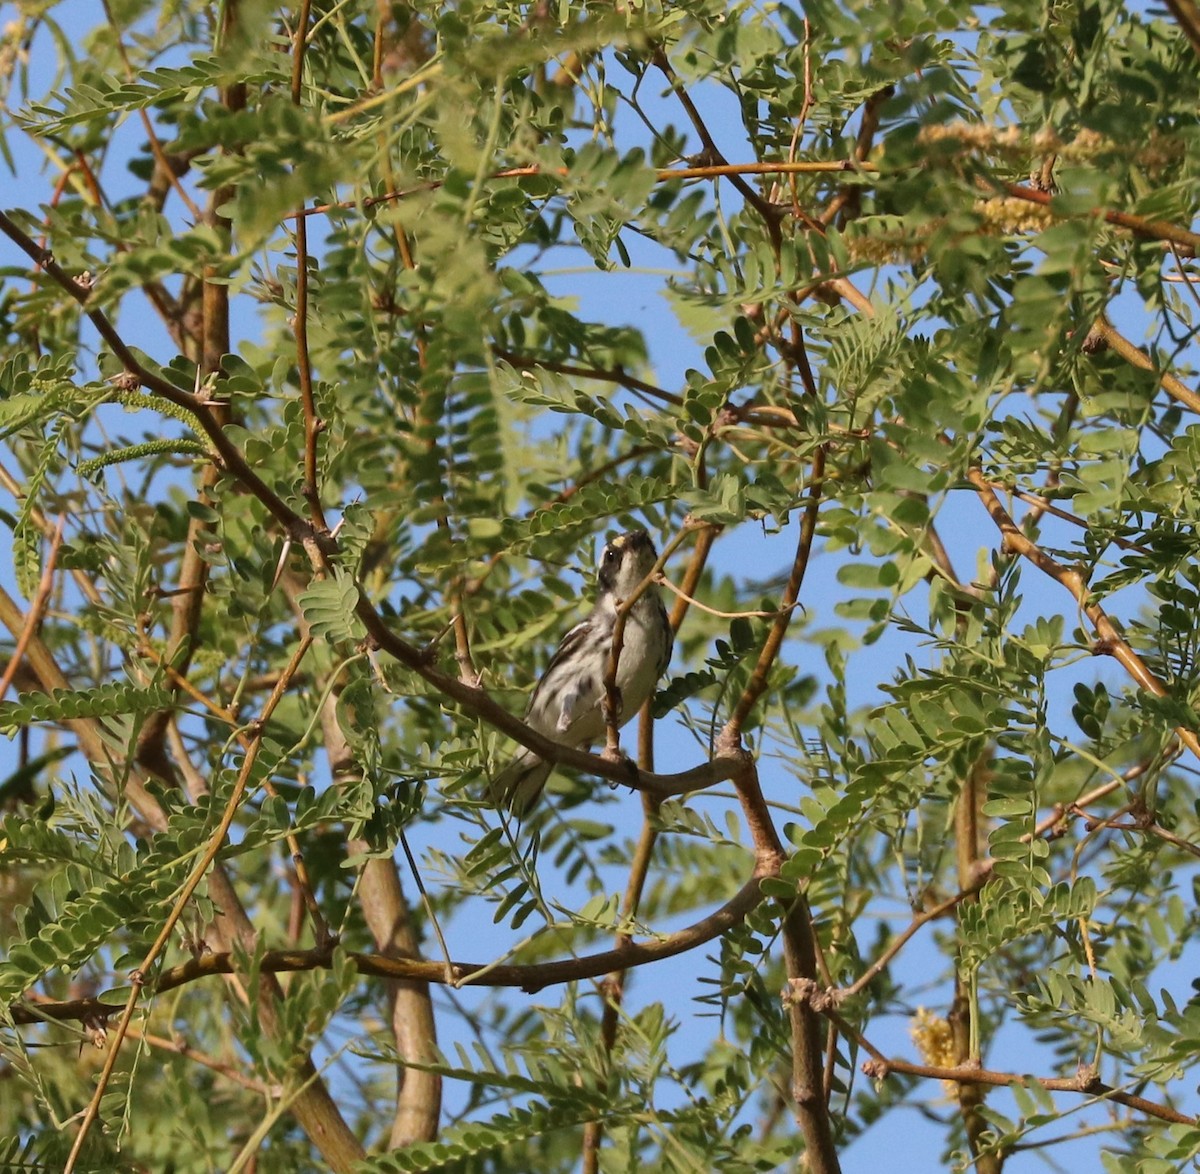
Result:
<point x="328" y="606"/>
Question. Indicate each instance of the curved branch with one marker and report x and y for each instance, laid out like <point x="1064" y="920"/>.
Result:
<point x="478" y="702"/>
<point x="386" y="911"/>
<point x="1086" y="1083"/>
<point x="1152" y="229"/>
<point x="229" y="453"/>
<point x="1111" y="642"/>
<point x="1135" y="357"/>
<point x="1187" y="16"/>
<point x="529" y="977"/>
<point x="1161" y="230"/>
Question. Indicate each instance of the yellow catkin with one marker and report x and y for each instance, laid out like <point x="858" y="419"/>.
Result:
<point x="935" y="1041"/>
<point x="1158" y="153"/>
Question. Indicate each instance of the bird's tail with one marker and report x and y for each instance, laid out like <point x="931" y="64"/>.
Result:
<point x="519" y="785"/>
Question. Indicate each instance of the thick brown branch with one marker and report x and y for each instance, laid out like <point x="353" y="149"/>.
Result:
<point x="389" y="918"/>
<point x="962" y="1018"/>
<point x="1187" y="16"/>
<point x="1171" y="384"/>
<point x="478" y="702"/>
<point x="809" y="1096"/>
<point x="1086" y="1084"/>
<point x="1153" y="229"/>
<point x="531" y="977"/>
<point x="809" y="1099"/>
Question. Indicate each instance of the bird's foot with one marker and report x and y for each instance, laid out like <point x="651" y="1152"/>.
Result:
<point x="617" y="756"/>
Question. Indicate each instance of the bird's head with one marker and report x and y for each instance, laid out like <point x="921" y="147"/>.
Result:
<point x="625" y="561"/>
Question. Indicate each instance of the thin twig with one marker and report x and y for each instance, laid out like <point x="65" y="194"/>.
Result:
<point x="216" y="842"/>
<point x="1045" y="506"/>
<point x="757" y="684"/>
<point x="663" y="581"/>
<point x="37" y="609"/>
<point x="178" y="1048"/>
<point x="156" y="148"/>
<point x="313" y="425"/>
<point x="712" y="154"/>
<point x="616" y="375"/>
<point x="1111" y="642"/>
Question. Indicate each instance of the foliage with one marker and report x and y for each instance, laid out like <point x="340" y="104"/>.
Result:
<point x="336" y="336"/>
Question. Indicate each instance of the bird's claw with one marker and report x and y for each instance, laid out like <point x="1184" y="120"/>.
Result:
<point x="618" y="757"/>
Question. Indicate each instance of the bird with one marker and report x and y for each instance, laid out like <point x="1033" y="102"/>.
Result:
<point x="568" y="702"/>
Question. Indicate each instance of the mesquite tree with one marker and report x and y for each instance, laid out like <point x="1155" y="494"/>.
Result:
<point x="336" y="337"/>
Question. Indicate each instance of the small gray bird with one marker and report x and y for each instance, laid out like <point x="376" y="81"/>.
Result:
<point x="568" y="703"/>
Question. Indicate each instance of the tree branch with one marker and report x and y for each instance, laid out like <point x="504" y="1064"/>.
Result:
<point x="1086" y="1084"/>
<point x="531" y="977"/>
<point x="1111" y="642"/>
<point x="1171" y="384"/>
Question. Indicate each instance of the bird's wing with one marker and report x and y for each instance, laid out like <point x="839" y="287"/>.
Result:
<point x="562" y="696"/>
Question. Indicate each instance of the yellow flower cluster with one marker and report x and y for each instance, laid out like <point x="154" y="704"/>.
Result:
<point x="1004" y="214"/>
<point x="935" y="1041"/>
<point x="1158" y="153"/>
